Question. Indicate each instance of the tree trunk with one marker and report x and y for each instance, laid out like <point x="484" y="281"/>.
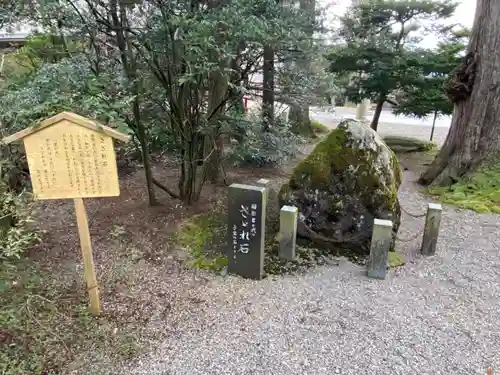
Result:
<point x="128" y="60"/>
<point x="268" y="88"/>
<point x="299" y="114"/>
<point x="475" y="131"/>
<point x="299" y="118"/>
<point x="213" y="151"/>
<point x="378" y="111"/>
<point x="146" y="157"/>
<point x="433" y="125"/>
<point x="213" y="143"/>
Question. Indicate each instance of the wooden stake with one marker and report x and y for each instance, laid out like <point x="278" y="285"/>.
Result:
<point x="88" y="259"/>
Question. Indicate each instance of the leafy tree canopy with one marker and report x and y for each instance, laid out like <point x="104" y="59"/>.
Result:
<point x="380" y="53"/>
<point x="428" y="96"/>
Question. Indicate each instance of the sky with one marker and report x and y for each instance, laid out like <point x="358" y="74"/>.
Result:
<point x="464" y="15"/>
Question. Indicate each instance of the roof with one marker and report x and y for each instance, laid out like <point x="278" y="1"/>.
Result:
<point x="71" y="117"/>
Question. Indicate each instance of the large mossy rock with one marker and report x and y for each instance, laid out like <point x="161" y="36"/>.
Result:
<point x="347" y="181"/>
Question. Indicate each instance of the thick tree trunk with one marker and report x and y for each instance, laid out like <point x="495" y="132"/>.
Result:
<point x="475" y="129"/>
<point x="268" y="88"/>
<point x="378" y="111"/>
<point x="299" y="114"/>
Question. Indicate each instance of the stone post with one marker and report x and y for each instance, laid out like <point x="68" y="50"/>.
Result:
<point x="431" y="230"/>
<point x="379" y="249"/>
<point x="263" y="182"/>
<point x="288" y="232"/>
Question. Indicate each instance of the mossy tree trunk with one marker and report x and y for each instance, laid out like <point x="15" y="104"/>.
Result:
<point x="475" y="129"/>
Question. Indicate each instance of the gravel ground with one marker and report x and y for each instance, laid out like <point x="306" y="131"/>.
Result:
<point x="436" y="315"/>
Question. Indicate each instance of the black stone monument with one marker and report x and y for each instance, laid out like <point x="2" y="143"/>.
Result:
<point x="246" y="230"/>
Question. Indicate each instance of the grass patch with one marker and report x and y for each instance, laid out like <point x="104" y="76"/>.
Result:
<point x="479" y="192"/>
<point x="203" y="236"/>
<point x="45" y="326"/>
<point x="318" y="127"/>
<point x="408" y="144"/>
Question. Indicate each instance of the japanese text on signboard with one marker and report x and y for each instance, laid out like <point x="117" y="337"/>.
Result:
<point x="247" y="229"/>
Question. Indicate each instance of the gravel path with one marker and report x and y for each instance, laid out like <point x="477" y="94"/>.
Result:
<point x="438" y="315"/>
<point x="385" y="128"/>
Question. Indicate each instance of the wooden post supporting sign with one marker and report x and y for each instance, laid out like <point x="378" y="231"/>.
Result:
<point x="88" y="258"/>
<point x="72" y="157"/>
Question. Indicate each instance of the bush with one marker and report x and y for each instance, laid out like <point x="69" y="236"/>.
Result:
<point x="318" y="127"/>
<point x="16" y="233"/>
<point x="259" y="148"/>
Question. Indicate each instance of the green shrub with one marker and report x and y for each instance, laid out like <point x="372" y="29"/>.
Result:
<point x="259" y="148"/>
<point x="16" y="231"/>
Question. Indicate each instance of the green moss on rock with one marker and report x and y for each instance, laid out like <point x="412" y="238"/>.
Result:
<point x="408" y="144"/>
<point x="318" y="166"/>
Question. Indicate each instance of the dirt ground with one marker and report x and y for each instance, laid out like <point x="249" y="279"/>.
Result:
<point x="137" y="262"/>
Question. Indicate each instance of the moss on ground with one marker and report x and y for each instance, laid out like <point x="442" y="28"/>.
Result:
<point x="479" y="192"/>
<point x="400" y="144"/>
<point x="203" y="236"/>
<point x="395" y="260"/>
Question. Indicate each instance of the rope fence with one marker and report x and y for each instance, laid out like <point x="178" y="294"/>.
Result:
<point x="382" y="239"/>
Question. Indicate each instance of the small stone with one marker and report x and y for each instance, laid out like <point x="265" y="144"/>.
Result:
<point x="224" y="271"/>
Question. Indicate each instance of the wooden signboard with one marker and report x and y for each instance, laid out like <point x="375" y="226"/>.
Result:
<point x="70" y="156"/>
